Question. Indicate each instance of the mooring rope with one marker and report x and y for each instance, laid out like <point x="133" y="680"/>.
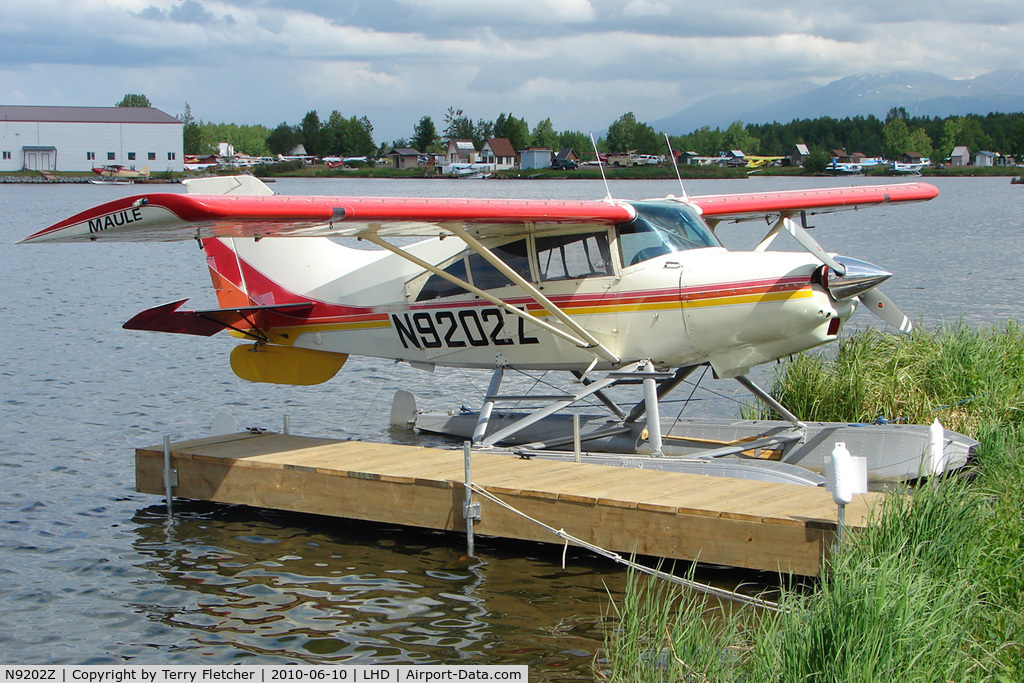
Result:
<point x="380" y="388"/>
<point x="615" y="557"/>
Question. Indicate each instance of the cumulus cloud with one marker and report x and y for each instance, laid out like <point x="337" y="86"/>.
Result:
<point x="647" y="8"/>
<point x="521" y="12"/>
<point x="186" y="12"/>
<point x="581" y="62"/>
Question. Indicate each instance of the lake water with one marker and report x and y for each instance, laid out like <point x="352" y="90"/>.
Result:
<point x="91" y="574"/>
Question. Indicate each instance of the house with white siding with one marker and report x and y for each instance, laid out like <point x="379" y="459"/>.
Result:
<point x="499" y="151"/>
<point x="460" y="152"/>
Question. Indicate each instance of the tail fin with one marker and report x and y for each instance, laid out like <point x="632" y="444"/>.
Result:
<point x="271" y="271"/>
<point x="251" y="302"/>
<point x="227" y="269"/>
<point x="226" y="273"/>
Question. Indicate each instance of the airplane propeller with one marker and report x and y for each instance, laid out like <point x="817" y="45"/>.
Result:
<point x="884" y="308"/>
<point x="810" y="244"/>
<point x="852" y="277"/>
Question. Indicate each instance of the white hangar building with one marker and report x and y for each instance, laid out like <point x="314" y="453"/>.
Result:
<point x="82" y="138"/>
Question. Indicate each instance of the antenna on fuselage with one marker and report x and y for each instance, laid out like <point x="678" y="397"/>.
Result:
<point x="597" y="156"/>
<point x="675" y="164"/>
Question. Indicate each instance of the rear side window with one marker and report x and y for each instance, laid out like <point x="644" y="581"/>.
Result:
<point x="436" y="287"/>
<point x="513" y="254"/>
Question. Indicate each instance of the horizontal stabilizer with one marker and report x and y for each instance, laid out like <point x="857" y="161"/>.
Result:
<point x="206" y="323"/>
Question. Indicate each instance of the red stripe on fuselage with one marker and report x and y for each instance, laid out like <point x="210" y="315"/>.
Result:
<point x="265" y="291"/>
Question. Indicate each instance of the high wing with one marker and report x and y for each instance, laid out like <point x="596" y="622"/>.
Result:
<point x="172" y="217"/>
<point x="719" y="208"/>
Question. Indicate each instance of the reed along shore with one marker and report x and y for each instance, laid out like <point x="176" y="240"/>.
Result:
<point x="933" y="590"/>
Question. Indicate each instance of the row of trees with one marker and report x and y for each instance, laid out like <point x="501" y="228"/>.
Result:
<point x="892" y="137"/>
<point x="898" y="134"/>
<point x="458" y="126"/>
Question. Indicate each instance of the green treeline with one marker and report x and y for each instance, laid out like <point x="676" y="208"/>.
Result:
<point x="897" y="134"/>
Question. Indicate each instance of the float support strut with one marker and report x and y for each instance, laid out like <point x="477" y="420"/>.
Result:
<point x="170" y="478"/>
<point x="653" y="416"/>
<point x="766" y="398"/>
<point x="488" y="406"/>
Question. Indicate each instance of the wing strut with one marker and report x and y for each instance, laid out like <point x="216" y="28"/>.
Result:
<point x="585" y="340"/>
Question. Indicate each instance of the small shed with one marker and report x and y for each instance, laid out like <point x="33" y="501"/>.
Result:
<point x="985" y="159"/>
<point x="799" y="153"/>
<point x="404" y="157"/>
<point x="960" y="156"/>
<point x="534" y="157"/>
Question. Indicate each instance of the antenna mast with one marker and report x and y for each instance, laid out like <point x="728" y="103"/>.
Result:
<point x="597" y="156"/>
<point x="675" y="164"/>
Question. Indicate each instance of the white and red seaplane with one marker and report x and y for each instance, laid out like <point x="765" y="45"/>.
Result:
<point x="611" y="291"/>
<point x="115" y="172"/>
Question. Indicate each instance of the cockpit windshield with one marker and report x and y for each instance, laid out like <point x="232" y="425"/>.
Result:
<point x="663" y="227"/>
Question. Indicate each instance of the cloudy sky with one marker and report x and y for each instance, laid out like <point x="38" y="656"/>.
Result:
<point x="583" y="63"/>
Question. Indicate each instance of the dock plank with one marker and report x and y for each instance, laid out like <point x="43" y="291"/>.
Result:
<point x="774" y="527"/>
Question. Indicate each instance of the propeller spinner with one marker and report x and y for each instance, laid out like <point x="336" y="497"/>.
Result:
<point x="846" y="277"/>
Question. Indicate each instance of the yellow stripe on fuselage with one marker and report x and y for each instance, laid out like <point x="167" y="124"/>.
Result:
<point x="662" y="304"/>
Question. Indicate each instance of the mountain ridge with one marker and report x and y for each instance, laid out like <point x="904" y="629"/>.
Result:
<point x="920" y="93"/>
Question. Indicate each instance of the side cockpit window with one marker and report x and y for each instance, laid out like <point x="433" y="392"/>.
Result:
<point x="568" y="257"/>
<point x="559" y="257"/>
<point x="476" y="270"/>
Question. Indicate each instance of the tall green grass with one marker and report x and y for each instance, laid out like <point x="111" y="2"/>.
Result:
<point x="664" y="633"/>
<point x="932" y="590"/>
<point x="960" y="375"/>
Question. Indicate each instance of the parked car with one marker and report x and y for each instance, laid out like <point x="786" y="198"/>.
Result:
<point x="633" y="159"/>
<point x="565" y="165"/>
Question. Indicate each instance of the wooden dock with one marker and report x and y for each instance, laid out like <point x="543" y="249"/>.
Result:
<point x="773" y="527"/>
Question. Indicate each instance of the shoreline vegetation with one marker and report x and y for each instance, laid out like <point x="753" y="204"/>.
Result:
<point x="591" y="173"/>
<point x="932" y="590"/>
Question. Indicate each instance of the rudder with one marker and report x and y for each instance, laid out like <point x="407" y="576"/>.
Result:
<point x="226" y="274"/>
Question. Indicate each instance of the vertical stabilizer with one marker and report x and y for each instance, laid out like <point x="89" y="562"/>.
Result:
<point x="226" y="269"/>
<point x="226" y="274"/>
